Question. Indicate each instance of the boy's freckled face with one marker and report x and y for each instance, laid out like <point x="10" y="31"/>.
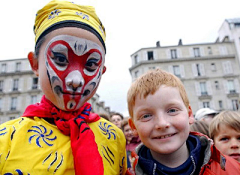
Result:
<point x="162" y="121"/>
<point x="227" y="141"/>
<point x="73" y="67"/>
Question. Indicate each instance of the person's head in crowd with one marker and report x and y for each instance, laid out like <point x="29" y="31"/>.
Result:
<point x="225" y="132"/>
<point x="206" y="114"/>
<point x="127" y="131"/>
<point x="200" y="126"/>
<point x="104" y="115"/>
<point x="116" y="118"/>
<point x="159" y="109"/>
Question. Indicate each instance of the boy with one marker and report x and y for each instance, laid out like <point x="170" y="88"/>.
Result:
<point x="160" y="115"/>
<point x="60" y="135"/>
<point x="225" y="132"/>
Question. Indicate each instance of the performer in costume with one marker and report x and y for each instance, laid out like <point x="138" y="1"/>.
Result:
<point x="60" y="135"/>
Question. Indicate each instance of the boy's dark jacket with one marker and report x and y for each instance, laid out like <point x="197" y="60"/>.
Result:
<point x="214" y="162"/>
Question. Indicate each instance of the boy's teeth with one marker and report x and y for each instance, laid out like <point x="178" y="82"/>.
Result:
<point x="169" y="135"/>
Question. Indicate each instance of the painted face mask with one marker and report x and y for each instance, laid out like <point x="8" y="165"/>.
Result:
<point x="74" y="67"/>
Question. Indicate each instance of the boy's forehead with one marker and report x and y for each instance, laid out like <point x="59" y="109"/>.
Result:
<point x="80" y="46"/>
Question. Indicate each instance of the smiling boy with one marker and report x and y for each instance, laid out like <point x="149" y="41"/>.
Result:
<point x="160" y="114"/>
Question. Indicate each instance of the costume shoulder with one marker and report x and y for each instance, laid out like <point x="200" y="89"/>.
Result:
<point x="111" y="145"/>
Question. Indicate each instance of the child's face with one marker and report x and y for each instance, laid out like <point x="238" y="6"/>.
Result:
<point x="71" y="63"/>
<point x="227" y="141"/>
<point x="128" y="132"/>
<point x="116" y="120"/>
<point x="162" y="121"/>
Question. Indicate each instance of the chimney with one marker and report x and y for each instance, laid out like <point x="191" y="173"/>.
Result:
<point x="158" y="43"/>
<point x="180" y="42"/>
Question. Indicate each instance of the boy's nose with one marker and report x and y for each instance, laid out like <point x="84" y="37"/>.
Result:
<point x="235" y="144"/>
<point x="161" y="122"/>
<point x="74" y="80"/>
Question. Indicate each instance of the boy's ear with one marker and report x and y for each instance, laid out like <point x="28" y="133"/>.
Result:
<point x="33" y="62"/>
<point x="104" y="69"/>
<point x="190" y="114"/>
<point x="132" y="126"/>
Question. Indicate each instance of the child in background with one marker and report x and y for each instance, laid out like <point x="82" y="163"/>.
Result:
<point x="116" y="118"/>
<point x="60" y="135"/>
<point x="225" y="132"/>
<point x="160" y="114"/>
<point x="200" y="126"/>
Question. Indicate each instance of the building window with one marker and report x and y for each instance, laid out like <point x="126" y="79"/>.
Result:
<point x="13" y="104"/>
<point x="196" y="52"/>
<point x="217" y="85"/>
<point x="35" y="83"/>
<point x="206" y="104"/>
<point x="220" y="103"/>
<point x="176" y="71"/>
<point x="235" y="105"/>
<point x="136" y="74"/>
<point x="150" y="55"/>
<point x="4" y="68"/>
<point x="15" y="84"/>
<point x="135" y="59"/>
<point x="1" y="85"/>
<point x="230" y="86"/>
<point x="198" y="70"/>
<point x="152" y="68"/>
<point x="173" y="53"/>
<point x="0" y="104"/>
<point x="203" y="88"/>
<point x="33" y="99"/>
<point x="12" y="118"/>
<point x="213" y="67"/>
<point x="18" y="67"/>
<point x="209" y="50"/>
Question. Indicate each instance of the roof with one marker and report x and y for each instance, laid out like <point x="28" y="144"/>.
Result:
<point x="233" y="20"/>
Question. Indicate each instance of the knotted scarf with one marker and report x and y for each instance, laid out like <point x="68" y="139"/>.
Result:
<point x="87" y="160"/>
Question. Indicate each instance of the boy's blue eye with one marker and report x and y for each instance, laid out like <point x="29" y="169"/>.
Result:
<point x="91" y="65"/>
<point x="60" y="59"/>
<point x="223" y="139"/>
<point x="172" y="110"/>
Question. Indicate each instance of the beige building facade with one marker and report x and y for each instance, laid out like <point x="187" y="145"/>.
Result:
<point x="210" y="72"/>
<point x="19" y="88"/>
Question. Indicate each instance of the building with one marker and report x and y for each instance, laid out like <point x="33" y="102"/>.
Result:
<point x="19" y="87"/>
<point x="209" y="71"/>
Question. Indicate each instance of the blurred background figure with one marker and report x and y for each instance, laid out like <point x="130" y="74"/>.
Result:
<point x="200" y="126"/>
<point x="224" y="130"/>
<point x="206" y="114"/>
<point x="131" y="141"/>
<point x="105" y="116"/>
<point x="116" y="118"/>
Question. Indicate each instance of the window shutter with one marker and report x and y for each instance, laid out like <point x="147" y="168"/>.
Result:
<point x="229" y="67"/>
<point x="191" y="52"/>
<point x="229" y="104"/>
<point x="236" y="83"/>
<point x="198" y="90"/>
<point x="202" y="51"/>
<point x="202" y="70"/>
<point x="170" y="69"/>
<point x="200" y="105"/>
<point x="154" y="55"/>
<point x="182" y="71"/>
<point x="209" y="88"/>
<point x="145" y="55"/>
<point x="212" y="105"/>
<point x="194" y="69"/>
<point x="225" y="86"/>
<point x="179" y="53"/>
<point x="168" y="53"/>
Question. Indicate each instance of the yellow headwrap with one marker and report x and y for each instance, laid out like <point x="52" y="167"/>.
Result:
<point x="58" y="14"/>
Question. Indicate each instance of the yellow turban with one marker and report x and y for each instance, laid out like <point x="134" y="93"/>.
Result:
<point x="57" y="14"/>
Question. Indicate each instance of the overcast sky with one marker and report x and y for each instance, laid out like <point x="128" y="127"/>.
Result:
<point x="130" y="25"/>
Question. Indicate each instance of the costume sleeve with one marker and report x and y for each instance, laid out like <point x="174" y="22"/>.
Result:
<point x="123" y="153"/>
<point x="6" y="130"/>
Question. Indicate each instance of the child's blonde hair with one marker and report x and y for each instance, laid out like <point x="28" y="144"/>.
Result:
<point x="229" y="118"/>
<point x="150" y="82"/>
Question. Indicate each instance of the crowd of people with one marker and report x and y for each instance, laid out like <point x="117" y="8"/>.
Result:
<point x="60" y="135"/>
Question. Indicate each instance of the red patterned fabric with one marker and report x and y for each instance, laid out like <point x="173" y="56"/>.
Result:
<point x="87" y="159"/>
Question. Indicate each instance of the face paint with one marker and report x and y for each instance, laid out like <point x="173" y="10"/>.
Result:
<point x="74" y="67"/>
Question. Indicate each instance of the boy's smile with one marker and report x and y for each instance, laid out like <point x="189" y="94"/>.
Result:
<point x="162" y="122"/>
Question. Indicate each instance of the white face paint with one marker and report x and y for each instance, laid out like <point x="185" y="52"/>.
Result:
<point x="74" y="66"/>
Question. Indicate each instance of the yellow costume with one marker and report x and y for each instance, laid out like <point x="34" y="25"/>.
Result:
<point x="34" y="146"/>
